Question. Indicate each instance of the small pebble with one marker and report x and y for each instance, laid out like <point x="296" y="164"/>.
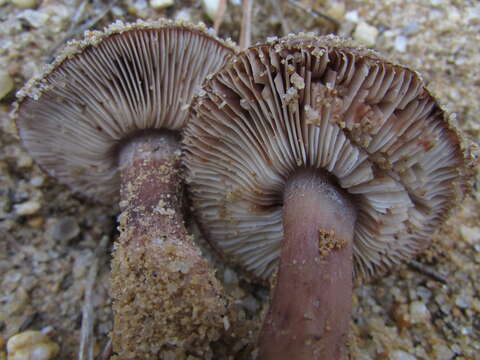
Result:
<point x="6" y="84"/>
<point x="400" y="43"/>
<point x="419" y="312"/>
<point x="35" y="18"/>
<point x="31" y="345"/>
<point x="411" y="29"/>
<point x="27" y="208"/>
<point x="138" y="8"/>
<point x="226" y="323"/>
<point x="117" y="11"/>
<point x="230" y="277"/>
<point x="297" y="81"/>
<point x="24" y="161"/>
<point x="401" y="355"/>
<point x="365" y="34"/>
<point x="424" y="293"/>
<point x="336" y="9"/>
<point x="65" y="229"/>
<point x="161" y="4"/>
<point x="442" y="352"/>
<point x="37" y="181"/>
<point x="25" y="4"/>
<point x="36" y="222"/>
<point x="476" y="305"/>
<point x="211" y="8"/>
<point x="352" y="16"/>
<point x="463" y="301"/>
<point x="183" y="15"/>
<point x="470" y="234"/>
<point x="250" y="304"/>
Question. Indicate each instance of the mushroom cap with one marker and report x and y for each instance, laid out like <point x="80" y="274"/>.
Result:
<point x="74" y="117"/>
<point x="307" y="102"/>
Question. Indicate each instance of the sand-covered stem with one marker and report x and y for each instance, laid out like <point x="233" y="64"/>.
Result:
<point x="167" y="302"/>
<point x="310" y="311"/>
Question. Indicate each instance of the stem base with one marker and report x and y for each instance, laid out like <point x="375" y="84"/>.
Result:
<point x="166" y="300"/>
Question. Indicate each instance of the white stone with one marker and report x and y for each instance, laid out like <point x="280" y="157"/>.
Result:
<point x="65" y="229"/>
<point x="352" y="16"/>
<point x="401" y="355"/>
<point x="37" y="181"/>
<point x="183" y="15"/>
<point x="251" y="304"/>
<point x="230" y="277"/>
<point x="31" y="345"/>
<point x="454" y="15"/>
<point x="401" y="43"/>
<point x="418" y="312"/>
<point x="6" y="83"/>
<point x="411" y="29"/>
<point x="24" y="161"/>
<point x="470" y="234"/>
<point x="463" y="300"/>
<point x="117" y="11"/>
<point x="226" y="323"/>
<point x="27" y="208"/>
<point x="25" y="4"/>
<point x="336" y="9"/>
<point x="211" y="8"/>
<point x="366" y="34"/>
<point x="35" y="18"/>
<point x="442" y="352"/>
<point x="297" y="81"/>
<point x="161" y="4"/>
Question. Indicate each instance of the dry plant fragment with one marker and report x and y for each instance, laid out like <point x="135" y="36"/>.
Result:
<point x="304" y="135"/>
<point x="106" y="117"/>
<point x="246" y="29"/>
<point x="31" y="345"/>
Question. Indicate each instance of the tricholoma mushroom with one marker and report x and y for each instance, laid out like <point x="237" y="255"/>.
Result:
<point x="105" y="119"/>
<point x="328" y="161"/>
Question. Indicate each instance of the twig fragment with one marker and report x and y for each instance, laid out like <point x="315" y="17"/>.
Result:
<point x="246" y="30"/>
<point x="85" y="351"/>
<point x="286" y="28"/>
<point x="425" y="269"/>
<point x="107" y="351"/>
<point x="314" y="13"/>
<point x="77" y="18"/>
<point x="222" y="7"/>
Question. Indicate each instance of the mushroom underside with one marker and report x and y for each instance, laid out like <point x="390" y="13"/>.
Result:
<point x="115" y="84"/>
<point x="308" y="104"/>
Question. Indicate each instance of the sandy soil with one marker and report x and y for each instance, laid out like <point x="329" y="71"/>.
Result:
<point x="49" y="236"/>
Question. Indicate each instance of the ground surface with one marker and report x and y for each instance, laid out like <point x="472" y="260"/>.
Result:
<point x="48" y="243"/>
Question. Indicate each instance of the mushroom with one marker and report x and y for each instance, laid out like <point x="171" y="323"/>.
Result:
<point x="106" y="116"/>
<point x="326" y="161"/>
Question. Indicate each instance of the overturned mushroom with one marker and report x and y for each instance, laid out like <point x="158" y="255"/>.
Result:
<point x="105" y="117"/>
<point x="309" y="153"/>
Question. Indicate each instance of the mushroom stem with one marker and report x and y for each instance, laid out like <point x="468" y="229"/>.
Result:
<point x="310" y="311"/>
<point x="166" y="299"/>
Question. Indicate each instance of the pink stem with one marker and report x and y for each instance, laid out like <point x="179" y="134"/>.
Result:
<point x="310" y="311"/>
<point x="166" y="299"/>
